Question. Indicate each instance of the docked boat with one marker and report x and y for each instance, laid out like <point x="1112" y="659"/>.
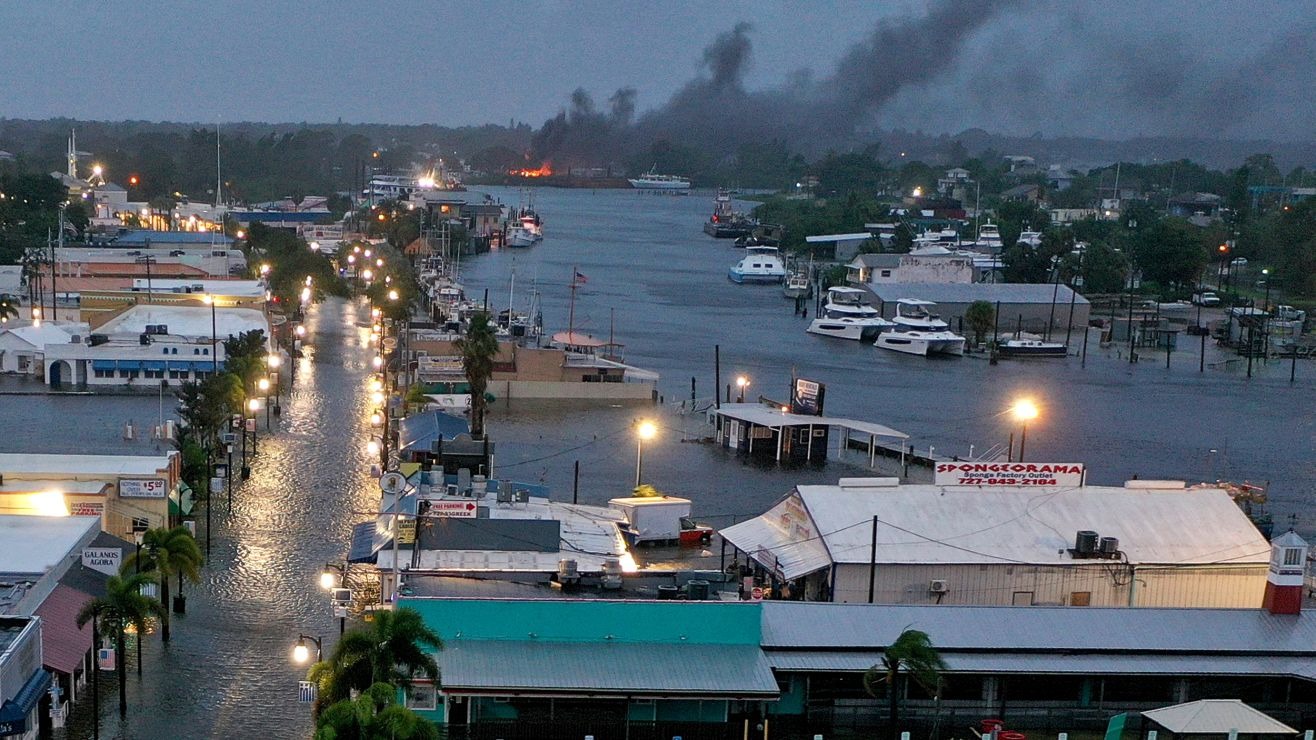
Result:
<point x="651" y="180"/>
<point x="796" y="285"/>
<point x="759" y="265"/>
<point x="1024" y="347"/>
<point x="917" y="331"/>
<point x="989" y="238"/>
<point x="520" y="237"/>
<point x="847" y="314"/>
<point x="726" y="223"/>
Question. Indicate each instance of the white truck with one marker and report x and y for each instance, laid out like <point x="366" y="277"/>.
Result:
<point x="655" y="520"/>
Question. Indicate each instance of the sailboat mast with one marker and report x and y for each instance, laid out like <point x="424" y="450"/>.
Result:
<point x="219" y="177"/>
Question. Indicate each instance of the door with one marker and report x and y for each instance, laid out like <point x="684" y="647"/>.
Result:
<point x="1022" y="598"/>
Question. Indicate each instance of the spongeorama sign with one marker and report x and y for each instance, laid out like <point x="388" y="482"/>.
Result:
<point x="1008" y="474"/>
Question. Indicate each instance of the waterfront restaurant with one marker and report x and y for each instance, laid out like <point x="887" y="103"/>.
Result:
<point x="1044" y="538"/>
<point x="775" y="433"/>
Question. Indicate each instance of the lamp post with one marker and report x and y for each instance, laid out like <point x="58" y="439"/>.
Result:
<point x="264" y="386"/>
<point x="645" y="430"/>
<point x="742" y="383"/>
<point x="333" y="575"/>
<point x="274" y="361"/>
<point x="253" y="405"/>
<point x="214" y="336"/>
<point x="301" y="652"/>
<point x="1023" y="411"/>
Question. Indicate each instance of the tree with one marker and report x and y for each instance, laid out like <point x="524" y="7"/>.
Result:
<point x="374" y="714"/>
<point x="391" y="649"/>
<point x="1169" y="253"/>
<point x="911" y="655"/>
<point x="981" y="317"/>
<point x="478" y="347"/>
<point x="167" y="552"/>
<point x="123" y="604"/>
<point x="8" y="309"/>
<point x="1103" y="268"/>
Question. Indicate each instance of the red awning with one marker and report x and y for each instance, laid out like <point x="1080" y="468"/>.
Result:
<point x="63" y="643"/>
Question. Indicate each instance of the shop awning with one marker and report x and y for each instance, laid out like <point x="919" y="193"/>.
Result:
<point x="533" y="668"/>
<point x="63" y="643"/>
<point x="366" y="542"/>
<point x="153" y="364"/>
<point x="13" y="714"/>
<point x="182" y="500"/>
<point x="103" y="365"/>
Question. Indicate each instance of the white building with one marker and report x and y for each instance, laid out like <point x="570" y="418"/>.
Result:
<point x="929" y="265"/>
<point x="124" y="493"/>
<point x="843" y="246"/>
<point x="151" y="343"/>
<point x="1153" y="543"/>
<point x="22" y="348"/>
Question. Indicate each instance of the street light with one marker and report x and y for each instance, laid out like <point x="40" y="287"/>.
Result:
<point x="214" y="336"/>
<point x="645" y="430"/>
<point x="742" y="383"/>
<point x="301" y="652"/>
<point x="1023" y="410"/>
<point x="376" y="419"/>
<point x="377" y="361"/>
<point x="300" y="331"/>
<point x="264" y="385"/>
<point x="372" y="447"/>
<point x="393" y="295"/>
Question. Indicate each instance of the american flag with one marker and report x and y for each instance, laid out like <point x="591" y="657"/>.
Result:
<point x="580" y="278"/>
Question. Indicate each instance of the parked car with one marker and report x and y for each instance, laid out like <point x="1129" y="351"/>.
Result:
<point x="1206" y="298"/>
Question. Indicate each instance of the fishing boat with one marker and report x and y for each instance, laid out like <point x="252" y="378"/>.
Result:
<point x="651" y="180"/>
<point x="726" y="223"/>
<point x="519" y="237"/>
<point x="847" y="314"/>
<point x="759" y="265"/>
<point x="797" y="285"/>
<point x="917" y="331"/>
<point x="1026" y="347"/>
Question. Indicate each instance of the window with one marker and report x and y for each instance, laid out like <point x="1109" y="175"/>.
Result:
<point x="886" y="273"/>
<point x="1293" y="556"/>
<point x="24" y="361"/>
<point x="141" y="524"/>
<point x="1080" y="598"/>
<point x="104" y="373"/>
<point x="157" y="374"/>
<point x="178" y="375"/>
<point x="422" y="696"/>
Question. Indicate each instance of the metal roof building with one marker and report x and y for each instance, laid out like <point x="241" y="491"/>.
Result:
<point x="871" y="540"/>
<point x="1030" y="306"/>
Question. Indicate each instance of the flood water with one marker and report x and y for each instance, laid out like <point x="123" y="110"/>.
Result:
<point x="660" y="284"/>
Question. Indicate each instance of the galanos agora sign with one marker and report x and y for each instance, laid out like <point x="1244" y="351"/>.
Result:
<point x="1008" y="474"/>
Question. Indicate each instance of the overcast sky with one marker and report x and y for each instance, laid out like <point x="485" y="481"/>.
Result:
<point x="1112" y="68"/>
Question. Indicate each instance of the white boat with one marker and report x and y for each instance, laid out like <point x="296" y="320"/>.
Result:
<point x="1031" y="239"/>
<point x="651" y="180"/>
<point x="519" y="236"/>
<point x="1031" y="347"/>
<point x="989" y="238"/>
<point x="759" y="265"/>
<point x="919" y="332"/>
<point x="847" y="314"/>
<point x="796" y="285"/>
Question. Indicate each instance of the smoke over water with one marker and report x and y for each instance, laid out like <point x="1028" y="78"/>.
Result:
<point x="714" y="111"/>
<point x="1020" y="67"/>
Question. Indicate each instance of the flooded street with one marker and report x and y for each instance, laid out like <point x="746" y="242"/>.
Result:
<point x="655" y="277"/>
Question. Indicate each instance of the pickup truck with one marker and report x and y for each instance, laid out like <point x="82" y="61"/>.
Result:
<point x="1206" y="298"/>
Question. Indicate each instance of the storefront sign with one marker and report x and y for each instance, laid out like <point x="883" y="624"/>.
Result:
<point x="807" y="397"/>
<point x="103" y="559"/>
<point x="407" y="532"/>
<point x="454" y="509"/>
<point x="86" y="508"/>
<point x="435" y="365"/>
<point x="141" y="488"/>
<point x="1008" y="474"/>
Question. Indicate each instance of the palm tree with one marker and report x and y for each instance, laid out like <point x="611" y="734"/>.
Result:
<point x="478" y="347"/>
<point x="123" y="604"/>
<point x="391" y="649"/>
<point x="168" y="552"/>
<point x="912" y="653"/>
<point x="375" y="713"/>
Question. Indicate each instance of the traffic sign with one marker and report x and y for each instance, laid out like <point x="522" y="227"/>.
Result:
<point x="454" y="509"/>
<point x="756" y="594"/>
<point x="392" y="483"/>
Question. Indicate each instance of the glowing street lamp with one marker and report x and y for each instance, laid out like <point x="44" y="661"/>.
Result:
<point x="351" y="259"/>
<point x="300" y="331"/>
<point x="376" y="419"/>
<point x="306" y="295"/>
<point x="742" y="383"/>
<point x="372" y="448"/>
<point x="377" y="361"/>
<point x="368" y="274"/>
<point x="273" y="360"/>
<point x="393" y="295"/>
<point x="643" y="431"/>
<point x="1023" y="411"/>
<point x="328" y="579"/>
<point x="301" y="652"/>
<point x="264" y="270"/>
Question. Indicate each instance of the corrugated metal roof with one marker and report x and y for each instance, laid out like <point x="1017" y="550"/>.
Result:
<point x="1217" y="717"/>
<point x="959" y="524"/>
<point x="532" y="667"/>
<point x="970" y="292"/>
<point x="1054" y="663"/>
<point x="1038" y="628"/>
<point x="772" y="416"/>
<point x="784" y="535"/>
<point x="63" y="643"/>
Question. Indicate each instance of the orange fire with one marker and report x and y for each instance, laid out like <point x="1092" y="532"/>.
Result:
<point x="544" y="170"/>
